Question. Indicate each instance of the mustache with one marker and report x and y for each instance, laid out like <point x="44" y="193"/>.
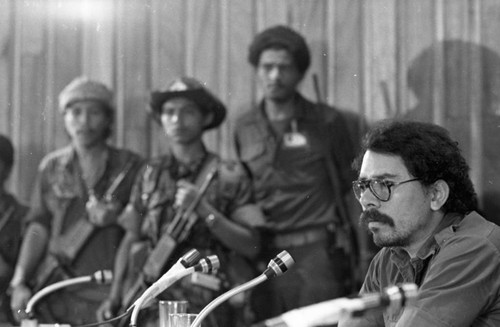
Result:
<point x="373" y="215"/>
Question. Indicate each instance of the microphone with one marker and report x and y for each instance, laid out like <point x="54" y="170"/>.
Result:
<point x="205" y="265"/>
<point x="177" y="272"/>
<point x="184" y="262"/>
<point x="331" y="311"/>
<point x="99" y="277"/>
<point x="276" y="267"/>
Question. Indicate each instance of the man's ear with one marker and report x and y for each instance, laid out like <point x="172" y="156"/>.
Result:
<point x="209" y="117"/>
<point x="440" y="192"/>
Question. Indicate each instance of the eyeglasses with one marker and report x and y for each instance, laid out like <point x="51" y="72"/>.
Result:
<point x="380" y="188"/>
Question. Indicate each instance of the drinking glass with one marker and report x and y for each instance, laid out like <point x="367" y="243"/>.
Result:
<point x="182" y="319"/>
<point x="167" y="308"/>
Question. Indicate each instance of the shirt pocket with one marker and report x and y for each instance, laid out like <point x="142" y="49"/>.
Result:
<point x="63" y="189"/>
<point x="257" y="157"/>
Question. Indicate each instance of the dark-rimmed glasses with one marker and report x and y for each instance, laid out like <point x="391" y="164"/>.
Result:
<point x="380" y="188"/>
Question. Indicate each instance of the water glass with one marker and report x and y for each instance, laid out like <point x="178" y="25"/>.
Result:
<point x="182" y="319"/>
<point x="166" y="308"/>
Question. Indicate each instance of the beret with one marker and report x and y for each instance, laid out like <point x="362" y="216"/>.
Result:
<point x="83" y="88"/>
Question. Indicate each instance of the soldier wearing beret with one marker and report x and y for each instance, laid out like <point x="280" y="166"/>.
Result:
<point x="188" y="183"/>
<point x="299" y="154"/>
<point x="71" y="226"/>
<point x="11" y="218"/>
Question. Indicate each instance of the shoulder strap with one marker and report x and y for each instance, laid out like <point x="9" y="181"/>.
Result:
<point x="209" y="166"/>
<point x="6" y="216"/>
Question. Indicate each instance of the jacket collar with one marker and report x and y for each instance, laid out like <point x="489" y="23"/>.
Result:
<point x="304" y="110"/>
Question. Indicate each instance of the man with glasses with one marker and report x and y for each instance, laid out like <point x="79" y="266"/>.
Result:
<point x="419" y="203"/>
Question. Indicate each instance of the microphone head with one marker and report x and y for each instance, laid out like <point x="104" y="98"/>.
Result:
<point x="208" y="264"/>
<point x="401" y="295"/>
<point x="279" y="264"/>
<point x="190" y="258"/>
<point x="410" y="293"/>
<point x="102" y="276"/>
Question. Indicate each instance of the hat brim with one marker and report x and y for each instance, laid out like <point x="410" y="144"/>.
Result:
<point x="206" y="101"/>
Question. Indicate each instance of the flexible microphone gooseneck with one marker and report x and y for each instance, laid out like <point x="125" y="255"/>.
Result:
<point x="205" y="265"/>
<point x="99" y="277"/>
<point x="189" y="259"/>
<point x="276" y="267"/>
<point x="331" y="311"/>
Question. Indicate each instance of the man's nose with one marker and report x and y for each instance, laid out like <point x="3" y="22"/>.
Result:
<point x="274" y="73"/>
<point x="175" y="118"/>
<point x="84" y="117"/>
<point x="367" y="199"/>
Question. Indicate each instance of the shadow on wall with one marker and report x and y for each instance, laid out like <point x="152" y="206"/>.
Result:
<point x="458" y="83"/>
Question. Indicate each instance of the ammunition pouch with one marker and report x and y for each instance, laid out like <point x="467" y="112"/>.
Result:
<point x="67" y="246"/>
<point x="158" y="257"/>
<point x="62" y="252"/>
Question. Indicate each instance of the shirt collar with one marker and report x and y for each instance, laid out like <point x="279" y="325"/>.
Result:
<point x="302" y="108"/>
<point x="445" y="229"/>
<point x="190" y="170"/>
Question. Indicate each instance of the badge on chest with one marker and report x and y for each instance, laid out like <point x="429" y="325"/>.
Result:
<point x="294" y="139"/>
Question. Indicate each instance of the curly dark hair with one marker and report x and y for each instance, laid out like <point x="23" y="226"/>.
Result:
<point x="281" y="37"/>
<point x="429" y="154"/>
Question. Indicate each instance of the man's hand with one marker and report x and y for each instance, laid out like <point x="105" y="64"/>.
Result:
<point x="102" y="213"/>
<point x="20" y="296"/>
<point x="186" y="194"/>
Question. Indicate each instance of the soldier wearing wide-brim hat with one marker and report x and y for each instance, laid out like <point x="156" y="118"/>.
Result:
<point x="192" y="89"/>
<point x="188" y="197"/>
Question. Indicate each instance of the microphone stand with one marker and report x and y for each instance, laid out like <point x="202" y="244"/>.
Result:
<point x="206" y="265"/>
<point x="276" y="267"/>
<point x="100" y="277"/>
<point x="224" y="297"/>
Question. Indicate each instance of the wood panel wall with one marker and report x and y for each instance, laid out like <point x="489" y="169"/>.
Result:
<point x="433" y="60"/>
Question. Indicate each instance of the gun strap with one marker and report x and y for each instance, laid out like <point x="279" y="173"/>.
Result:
<point x="108" y="195"/>
<point x="6" y="216"/>
<point x="166" y="244"/>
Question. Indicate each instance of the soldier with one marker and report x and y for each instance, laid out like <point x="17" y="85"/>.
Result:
<point x="79" y="192"/>
<point x="11" y="217"/>
<point x="222" y="219"/>
<point x="299" y="155"/>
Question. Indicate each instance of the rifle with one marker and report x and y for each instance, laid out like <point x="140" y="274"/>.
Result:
<point x="344" y="231"/>
<point x="64" y="249"/>
<point x="177" y="232"/>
